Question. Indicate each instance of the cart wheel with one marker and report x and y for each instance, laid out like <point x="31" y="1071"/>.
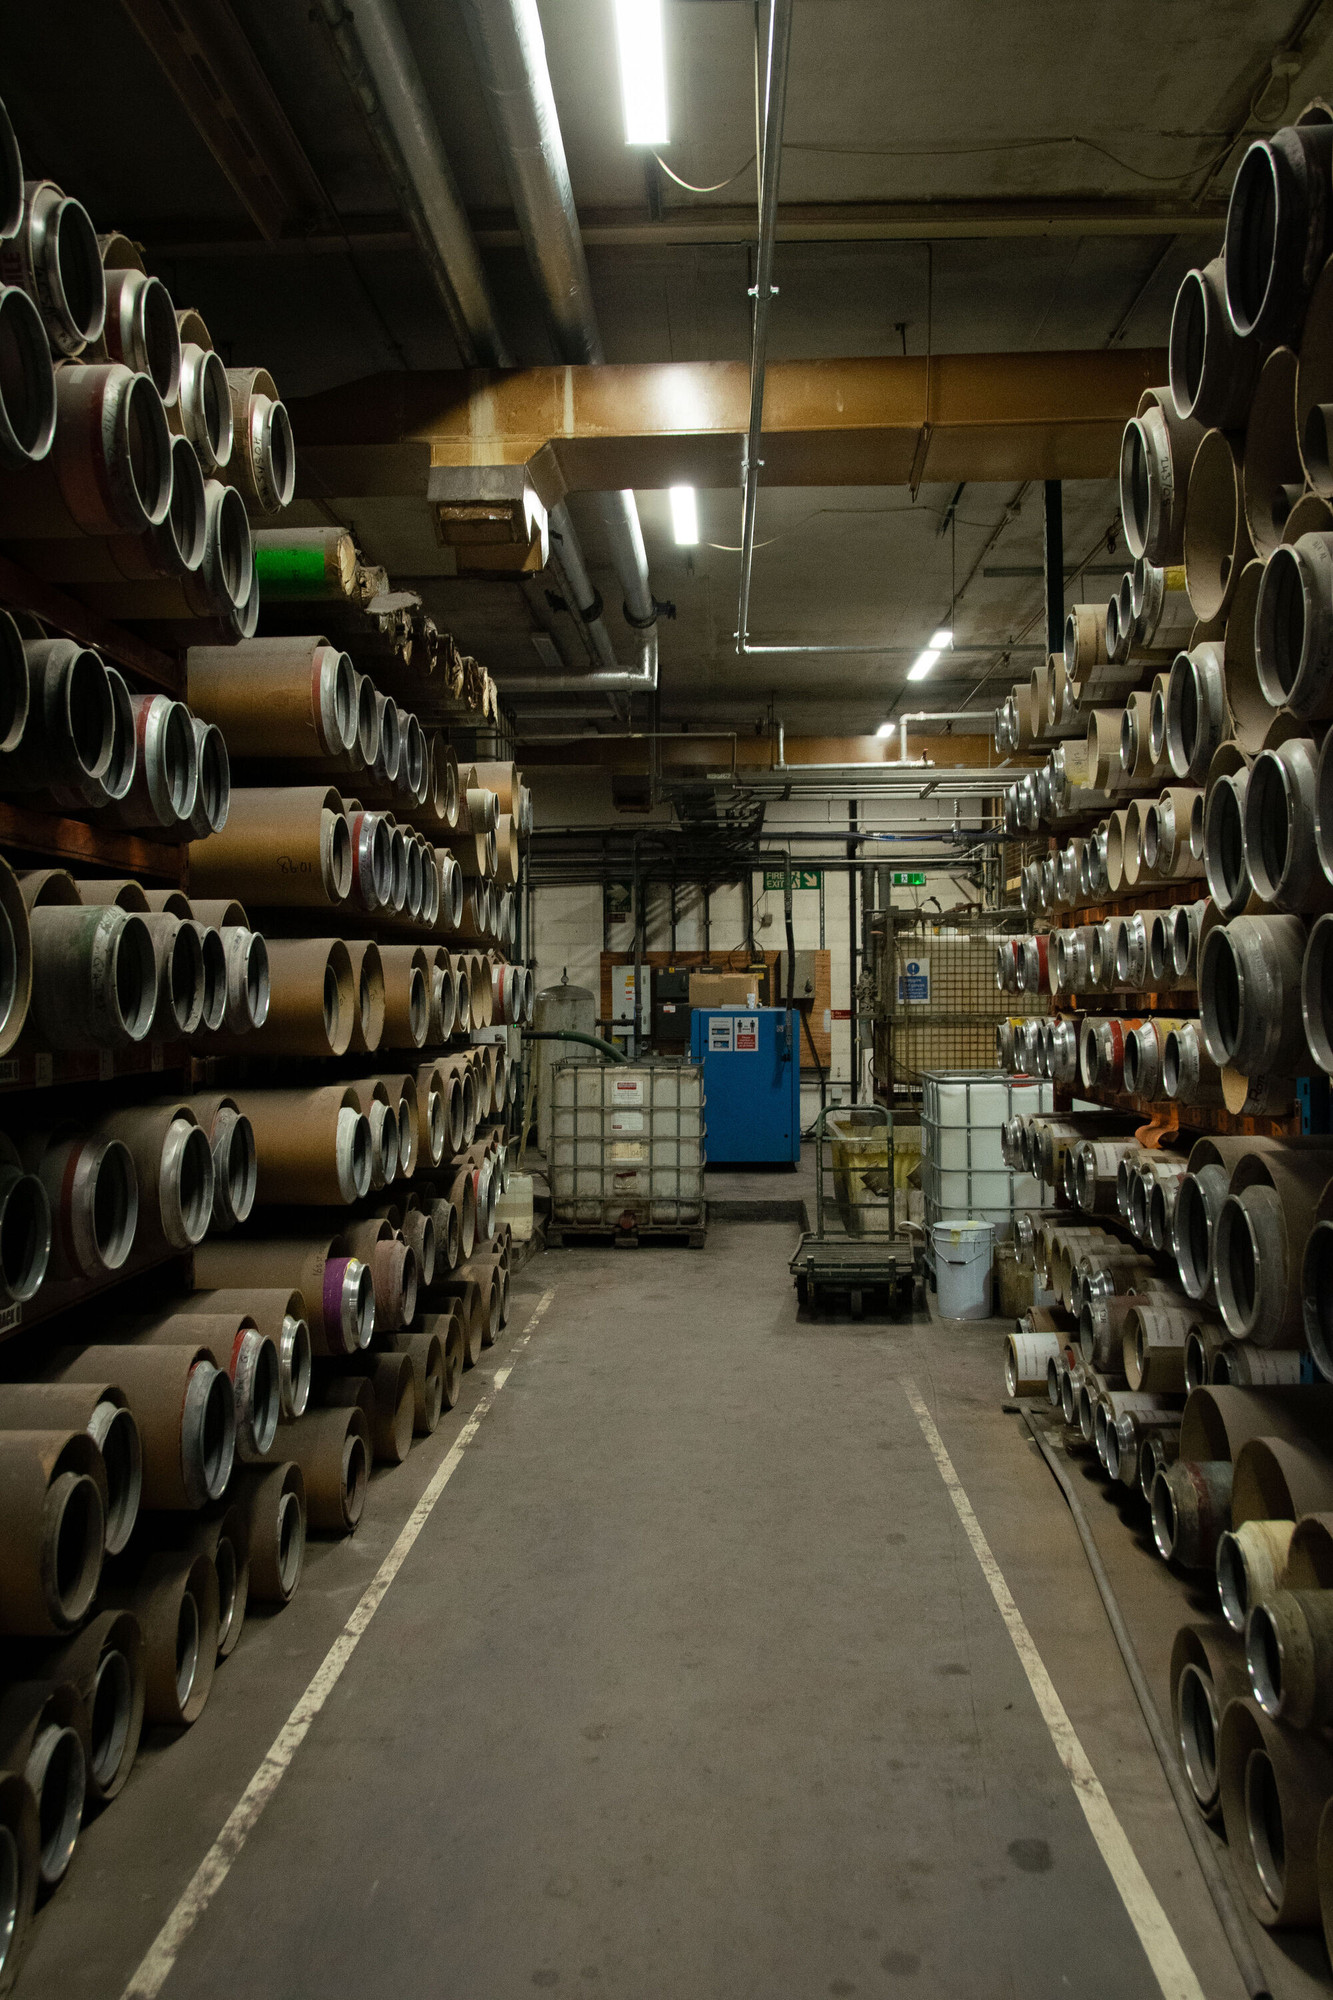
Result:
<point x="802" y="1293"/>
<point x="919" y="1294"/>
<point x="816" y="1300"/>
<point x="858" y="1302"/>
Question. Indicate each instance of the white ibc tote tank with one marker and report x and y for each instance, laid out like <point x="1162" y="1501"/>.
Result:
<point x="562" y="1006"/>
<point x="963" y="1166"/>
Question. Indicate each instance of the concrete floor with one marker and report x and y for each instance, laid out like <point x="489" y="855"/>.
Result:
<point x="691" y="1686"/>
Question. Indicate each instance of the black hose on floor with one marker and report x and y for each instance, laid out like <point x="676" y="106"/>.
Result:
<point x="1224" y="1902"/>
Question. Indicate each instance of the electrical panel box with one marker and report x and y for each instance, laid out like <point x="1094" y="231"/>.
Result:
<point x="671" y="1011"/>
<point x="752" y="1083"/>
<point x="803" y="980"/>
<point x="623" y="1026"/>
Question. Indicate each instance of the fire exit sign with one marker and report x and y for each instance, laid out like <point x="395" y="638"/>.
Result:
<point x="801" y="878"/>
<point x="902" y="881"/>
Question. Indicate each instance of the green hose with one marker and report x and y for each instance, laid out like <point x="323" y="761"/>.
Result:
<point x="573" y="1035"/>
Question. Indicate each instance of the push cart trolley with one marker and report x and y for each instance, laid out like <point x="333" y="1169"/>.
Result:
<point x="855" y="1252"/>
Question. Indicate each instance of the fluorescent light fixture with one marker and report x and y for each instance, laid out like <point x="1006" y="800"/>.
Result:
<point x="939" y="640"/>
<point x="923" y="663"/>
<point x="684" y="516"/>
<point x="886" y="729"/>
<point x="642" y="72"/>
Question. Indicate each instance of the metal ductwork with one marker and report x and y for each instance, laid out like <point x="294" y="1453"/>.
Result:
<point x="510" y="52"/>
<point x="377" y="61"/>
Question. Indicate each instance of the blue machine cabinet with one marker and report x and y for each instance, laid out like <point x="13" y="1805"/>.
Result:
<point x="752" y="1084"/>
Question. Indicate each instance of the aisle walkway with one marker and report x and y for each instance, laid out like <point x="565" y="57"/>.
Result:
<point x="692" y="1688"/>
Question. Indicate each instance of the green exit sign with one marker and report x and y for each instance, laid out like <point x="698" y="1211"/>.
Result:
<point x="901" y="881"/>
<point x="801" y="878"/>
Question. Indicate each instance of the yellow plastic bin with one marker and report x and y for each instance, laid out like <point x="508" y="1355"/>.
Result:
<point x="860" y="1145"/>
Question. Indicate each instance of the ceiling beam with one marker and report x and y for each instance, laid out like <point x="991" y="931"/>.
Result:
<point x="209" y="63"/>
<point x="694" y="224"/>
<point x="857" y="422"/>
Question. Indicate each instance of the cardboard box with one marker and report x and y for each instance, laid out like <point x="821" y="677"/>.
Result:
<point x="723" y="989"/>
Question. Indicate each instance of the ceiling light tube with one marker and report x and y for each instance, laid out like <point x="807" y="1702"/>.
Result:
<point x="642" y="72"/>
<point x="923" y="663"/>
<point x="684" y="516"/>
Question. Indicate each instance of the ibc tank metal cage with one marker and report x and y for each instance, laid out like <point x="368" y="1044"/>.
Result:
<point x="627" y="1139"/>
<point x="963" y="1172"/>
<point x="944" y="1015"/>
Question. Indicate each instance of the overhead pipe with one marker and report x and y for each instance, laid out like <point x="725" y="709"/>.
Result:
<point x="510" y="53"/>
<point x="377" y="61"/>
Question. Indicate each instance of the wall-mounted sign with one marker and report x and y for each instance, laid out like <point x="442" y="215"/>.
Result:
<point x="914" y="982"/>
<point x="801" y="878"/>
<point x="906" y="881"/>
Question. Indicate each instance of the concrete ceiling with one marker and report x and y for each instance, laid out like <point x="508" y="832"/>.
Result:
<point x="1127" y="109"/>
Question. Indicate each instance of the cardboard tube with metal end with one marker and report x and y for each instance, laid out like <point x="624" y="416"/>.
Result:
<point x="284" y="847"/>
<point x="1191" y="1506"/>
<point x="44" y="1736"/>
<point x="1272" y="475"/>
<point x="312" y="999"/>
<point x="393" y="1415"/>
<point x="231" y="1140"/>
<point x="174" y="1595"/>
<point x="221" y="1534"/>
<point x="183" y="1405"/>
<point x="272" y="1498"/>
<point x="332" y="1449"/>
<point x="280" y="1315"/>
<point x="1274" y="1783"/>
<point x="394" y="1271"/>
<point x="448" y="1325"/>
<point x="426" y="1355"/>
<point x="311" y="1145"/>
<point x="94" y="978"/>
<point x="432" y="1113"/>
<point x="337" y="1289"/>
<point x="1251" y="1558"/>
<point x="406" y="996"/>
<point x="173" y="1164"/>
<point x="409" y="1125"/>
<point x="483" y="1272"/>
<point x="1217" y="1422"/>
<point x="375" y="1100"/>
<point x="15" y="968"/>
<point x="473" y="1311"/>
<point x="104" y="1663"/>
<point x="99" y="1408"/>
<point x="21" y="1838"/>
<point x="93" y="1192"/>
<point x="53" y="1497"/>
<point x="276" y="697"/>
<point x="1207" y="1672"/>
<point x="368" y="988"/>
<point x="418" y="1230"/>
<point x="247" y="1357"/>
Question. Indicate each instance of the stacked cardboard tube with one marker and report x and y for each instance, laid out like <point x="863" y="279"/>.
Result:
<point x="1204" y="771"/>
<point x="1180" y="1310"/>
<point x="310" y="1044"/>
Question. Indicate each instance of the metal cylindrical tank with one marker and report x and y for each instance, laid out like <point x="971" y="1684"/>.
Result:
<point x="562" y="1006"/>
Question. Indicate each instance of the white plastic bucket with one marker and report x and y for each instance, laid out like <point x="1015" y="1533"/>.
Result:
<point x="963" y="1254"/>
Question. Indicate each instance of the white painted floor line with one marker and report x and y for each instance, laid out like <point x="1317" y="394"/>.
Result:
<point x="1171" y="1969"/>
<point x="155" y="1966"/>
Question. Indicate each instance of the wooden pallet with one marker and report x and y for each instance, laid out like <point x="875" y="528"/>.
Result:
<point x="568" y="1235"/>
